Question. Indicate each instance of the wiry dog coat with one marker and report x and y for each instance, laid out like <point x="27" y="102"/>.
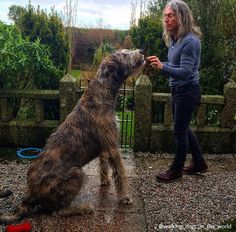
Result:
<point x="89" y="131"/>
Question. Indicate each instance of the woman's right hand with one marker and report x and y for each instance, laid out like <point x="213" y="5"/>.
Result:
<point x="155" y="62"/>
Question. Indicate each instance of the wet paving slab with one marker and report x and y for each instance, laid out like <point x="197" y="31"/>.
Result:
<point x="99" y="221"/>
<point x="108" y="214"/>
<point x="105" y="199"/>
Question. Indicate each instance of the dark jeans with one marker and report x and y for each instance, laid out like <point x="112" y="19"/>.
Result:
<point x="184" y="101"/>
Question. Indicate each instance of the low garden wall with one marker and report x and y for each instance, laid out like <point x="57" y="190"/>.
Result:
<point x="214" y="122"/>
<point x="152" y="118"/>
<point x="34" y="132"/>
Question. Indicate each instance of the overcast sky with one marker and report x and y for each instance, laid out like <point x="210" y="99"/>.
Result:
<point x="115" y="14"/>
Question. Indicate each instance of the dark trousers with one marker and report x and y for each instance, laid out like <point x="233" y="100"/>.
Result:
<point x="184" y="101"/>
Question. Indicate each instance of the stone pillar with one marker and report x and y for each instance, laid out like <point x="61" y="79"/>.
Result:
<point x="167" y="114"/>
<point x="201" y="115"/>
<point x="229" y="110"/>
<point x="143" y="114"/>
<point x="39" y="110"/>
<point x="67" y="95"/>
<point x="6" y="110"/>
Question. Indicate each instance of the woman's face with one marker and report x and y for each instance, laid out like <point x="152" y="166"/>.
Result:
<point x="171" y="23"/>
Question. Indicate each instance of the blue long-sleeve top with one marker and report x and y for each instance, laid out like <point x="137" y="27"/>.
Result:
<point x="183" y="61"/>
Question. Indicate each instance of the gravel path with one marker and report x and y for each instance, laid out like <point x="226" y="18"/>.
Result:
<point x="196" y="203"/>
<point x="193" y="204"/>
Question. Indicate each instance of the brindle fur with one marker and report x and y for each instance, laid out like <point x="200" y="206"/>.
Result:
<point x="89" y="131"/>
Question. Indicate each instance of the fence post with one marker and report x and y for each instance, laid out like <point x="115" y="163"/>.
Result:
<point x="67" y="95"/>
<point x="142" y="115"/>
<point x="229" y="110"/>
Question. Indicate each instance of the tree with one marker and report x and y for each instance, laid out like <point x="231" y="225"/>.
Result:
<point x="148" y="35"/>
<point x="133" y="18"/>
<point x="34" y="24"/>
<point x="104" y="50"/>
<point x="218" y="42"/>
<point x="217" y="21"/>
<point x="128" y="42"/>
<point x="89" y="40"/>
<point x="69" y="17"/>
<point x="24" y="64"/>
<point x="15" y="12"/>
<point x="143" y="4"/>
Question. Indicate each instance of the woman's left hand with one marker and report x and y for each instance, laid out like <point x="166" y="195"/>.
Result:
<point x="155" y="62"/>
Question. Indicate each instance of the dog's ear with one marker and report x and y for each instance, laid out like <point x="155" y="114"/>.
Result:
<point x="143" y="51"/>
<point x="109" y="67"/>
<point x="105" y="72"/>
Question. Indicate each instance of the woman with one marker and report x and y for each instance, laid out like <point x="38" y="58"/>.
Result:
<point x="184" y="50"/>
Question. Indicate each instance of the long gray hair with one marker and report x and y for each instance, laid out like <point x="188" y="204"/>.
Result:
<point x="185" y="18"/>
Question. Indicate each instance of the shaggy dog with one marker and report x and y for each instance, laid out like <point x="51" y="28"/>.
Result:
<point x="89" y="131"/>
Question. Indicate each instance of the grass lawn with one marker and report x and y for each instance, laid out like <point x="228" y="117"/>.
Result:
<point x="126" y="127"/>
<point x="75" y="73"/>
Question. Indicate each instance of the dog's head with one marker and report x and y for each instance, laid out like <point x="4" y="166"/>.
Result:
<point x="120" y="65"/>
<point x="128" y="61"/>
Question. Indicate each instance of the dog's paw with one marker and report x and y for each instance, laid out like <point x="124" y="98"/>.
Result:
<point x="86" y="208"/>
<point x="82" y="209"/>
<point x="126" y="200"/>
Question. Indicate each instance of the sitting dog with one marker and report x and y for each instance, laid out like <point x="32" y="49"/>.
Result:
<point x="89" y="131"/>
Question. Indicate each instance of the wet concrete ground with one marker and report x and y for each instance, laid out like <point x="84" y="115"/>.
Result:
<point x="109" y="215"/>
<point x="193" y="204"/>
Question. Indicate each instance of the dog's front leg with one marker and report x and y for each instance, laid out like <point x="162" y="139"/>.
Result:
<point x="104" y="170"/>
<point x="119" y="176"/>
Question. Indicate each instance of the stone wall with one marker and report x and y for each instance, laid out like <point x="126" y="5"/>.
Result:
<point x="23" y="133"/>
<point x="149" y="136"/>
